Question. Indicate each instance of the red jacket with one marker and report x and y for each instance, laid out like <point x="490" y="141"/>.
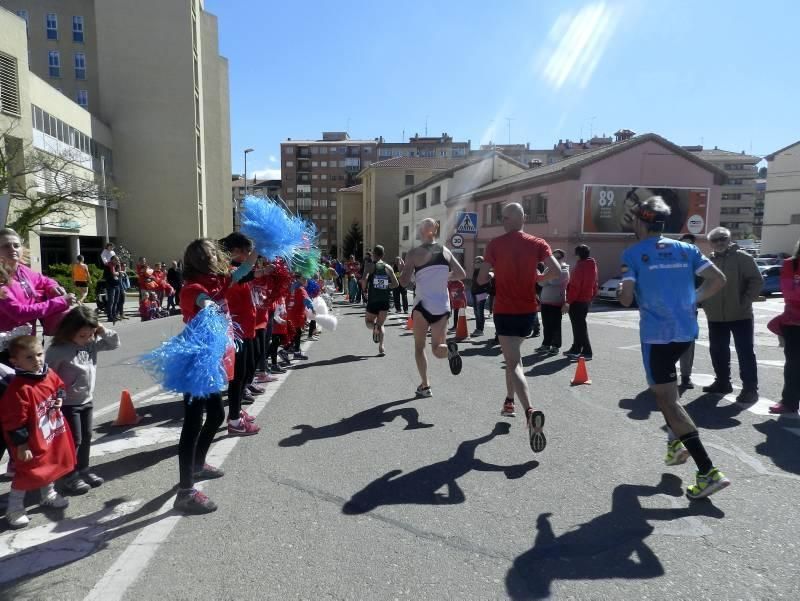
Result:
<point x="29" y="403"/>
<point x="296" y="308"/>
<point x="242" y="308"/>
<point x="582" y="285"/>
<point x="213" y="286"/>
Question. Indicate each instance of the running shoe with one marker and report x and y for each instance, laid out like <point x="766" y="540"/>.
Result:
<point x="477" y="333"/>
<point x="92" y="479"/>
<point x="284" y="355"/>
<point x="707" y="484"/>
<point x="535" y="425"/>
<point x="194" y="501"/>
<point x="207" y="472"/>
<point x="780" y="408"/>
<point x="278" y="369"/>
<point x="570" y="354"/>
<point x="75" y="485"/>
<point x="245" y="428"/>
<point x="677" y="454"/>
<point x="508" y="409"/>
<point x="54" y="500"/>
<point x="543" y="349"/>
<point x="256" y="389"/>
<point x="248" y="398"/>
<point x="17" y="519"/>
<point x="424" y="391"/>
<point x="246" y="416"/>
<point x="376" y="335"/>
<point x="301" y="356"/>
<point x="453" y="358"/>
<point x="554" y="350"/>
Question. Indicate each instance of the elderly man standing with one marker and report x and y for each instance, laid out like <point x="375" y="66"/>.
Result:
<point x="731" y="312"/>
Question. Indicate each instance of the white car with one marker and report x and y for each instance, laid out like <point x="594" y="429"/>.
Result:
<point x="608" y="290"/>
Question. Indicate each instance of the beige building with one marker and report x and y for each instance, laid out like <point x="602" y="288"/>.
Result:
<point x="151" y="70"/>
<point x="349" y="210"/>
<point x="781" y="229"/>
<point x="34" y="116"/>
<point x="430" y="198"/>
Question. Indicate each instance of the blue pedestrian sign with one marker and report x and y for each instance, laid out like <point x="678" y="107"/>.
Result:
<point x="467" y="224"/>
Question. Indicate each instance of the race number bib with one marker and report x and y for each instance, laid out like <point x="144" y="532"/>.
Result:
<point x="380" y="282"/>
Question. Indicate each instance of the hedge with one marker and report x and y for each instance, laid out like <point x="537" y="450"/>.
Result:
<point x="62" y="273"/>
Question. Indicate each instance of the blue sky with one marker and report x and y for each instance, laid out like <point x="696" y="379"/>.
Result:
<point x="720" y="73"/>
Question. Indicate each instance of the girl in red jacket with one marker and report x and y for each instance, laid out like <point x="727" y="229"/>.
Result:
<point x="581" y="290"/>
<point x="299" y="301"/>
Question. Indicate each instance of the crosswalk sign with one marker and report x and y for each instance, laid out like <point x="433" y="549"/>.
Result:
<point x="467" y="223"/>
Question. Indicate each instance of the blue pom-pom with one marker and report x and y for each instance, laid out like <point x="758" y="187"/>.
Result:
<point x="192" y="361"/>
<point x="274" y="233"/>
<point x="312" y="288"/>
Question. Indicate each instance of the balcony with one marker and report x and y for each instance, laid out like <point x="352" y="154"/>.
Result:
<point x="304" y="166"/>
<point x="304" y="151"/>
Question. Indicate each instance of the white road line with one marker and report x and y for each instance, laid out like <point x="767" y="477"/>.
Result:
<point x="135" y="398"/>
<point x="124" y="572"/>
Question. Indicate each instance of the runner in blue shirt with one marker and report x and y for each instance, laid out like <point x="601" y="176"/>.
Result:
<point x="660" y="273"/>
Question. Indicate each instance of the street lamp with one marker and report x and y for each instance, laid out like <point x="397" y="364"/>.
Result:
<point x="246" y="152"/>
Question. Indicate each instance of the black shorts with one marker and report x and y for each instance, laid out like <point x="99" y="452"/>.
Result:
<point x="377" y="307"/>
<point x="430" y="317"/>
<point x="660" y="359"/>
<point x="81" y="284"/>
<point x="520" y="325"/>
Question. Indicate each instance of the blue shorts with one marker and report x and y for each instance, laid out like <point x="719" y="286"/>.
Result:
<point x="660" y="359"/>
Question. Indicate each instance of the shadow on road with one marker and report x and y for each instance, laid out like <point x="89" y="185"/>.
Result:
<point x="780" y="445"/>
<point x="421" y="487"/>
<point x="335" y="361"/>
<point x="641" y="407"/>
<point x="369" y="419"/>
<point x="547" y="368"/>
<point x="705" y="410"/>
<point x="611" y="546"/>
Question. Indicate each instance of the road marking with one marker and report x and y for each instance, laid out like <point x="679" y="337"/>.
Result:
<point x="127" y="568"/>
<point x="136" y="438"/>
<point x="135" y="398"/>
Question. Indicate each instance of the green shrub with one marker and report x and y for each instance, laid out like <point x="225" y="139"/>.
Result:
<point x="62" y="273"/>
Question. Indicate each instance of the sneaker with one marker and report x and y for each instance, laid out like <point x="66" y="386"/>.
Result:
<point x="536" y="333"/>
<point x="278" y="369"/>
<point x="92" y="479"/>
<point x="535" y="425"/>
<point x="256" y="389"/>
<point x="585" y="357"/>
<point x="554" y="350"/>
<point x="262" y="377"/>
<point x="453" y="329"/>
<point x="207" y="472"/>
<point x="780" y="408"/>
<point x="477" y="333"/>
<point x="677" y="454"/>
<point x="248" y="398"/>
<point x="508" y="409"/>
<point x="194" y="502"/>
<point x="717" y="387"/>
<point x="54" y="500"/>
<point x="453" y="358"/>
<point x="245" y="428"/>
<point x="543" y="349"/>
<point x="284" y="355"/>
<point x="748" y="396"/>
<point x="424" y="391"/>
<point x="707" y="484"/>
<point x="570" y="354"/>
<point x="17" y="519"/>
<point x="271" y="378"/>
<point x="686" y="383"/>
<point x="246" y="416"/>
<point x="75" y="485"/>
<point x="301" y="356"/>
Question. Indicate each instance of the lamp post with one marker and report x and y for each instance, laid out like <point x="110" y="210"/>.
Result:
<point x="246" y="152"/>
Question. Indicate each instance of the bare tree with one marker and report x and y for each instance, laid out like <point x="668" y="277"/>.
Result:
<point x="46" y="188"/>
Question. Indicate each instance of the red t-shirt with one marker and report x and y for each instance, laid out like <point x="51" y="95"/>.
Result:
<point x="213" y="286"/>
<point x="515" y="257"/>
<point x="242" y="308"/>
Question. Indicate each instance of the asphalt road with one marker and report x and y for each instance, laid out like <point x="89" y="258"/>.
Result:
<point x="356" y="490"/>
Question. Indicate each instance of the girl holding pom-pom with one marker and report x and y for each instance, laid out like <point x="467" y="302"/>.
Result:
<point x="207" y="278"/>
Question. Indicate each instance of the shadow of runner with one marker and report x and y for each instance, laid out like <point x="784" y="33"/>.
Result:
<point x="549" y="368"/>
<point x="603" y="548"/>
<point x="780" y="445"/>
<point x="335" y="361"/>
<point x="420" y="486"/>
<point x="369" y="419"/>
<point x="642" y="406"/>
<point x="711" y="412"/>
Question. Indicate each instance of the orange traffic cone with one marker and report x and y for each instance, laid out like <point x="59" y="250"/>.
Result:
<point x="410" y="323"/>
<point x="461" y="328"/>
<point x="126" y="416"/>
<point x="581" y="373"/>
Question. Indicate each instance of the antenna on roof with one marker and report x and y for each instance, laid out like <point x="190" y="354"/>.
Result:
<point x="426" y="126"/>
<point x="509" y="119"/>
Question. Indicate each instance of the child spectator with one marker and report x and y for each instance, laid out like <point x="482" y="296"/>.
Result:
<point x="35" y="430"/>
<point x="73" y="356"/>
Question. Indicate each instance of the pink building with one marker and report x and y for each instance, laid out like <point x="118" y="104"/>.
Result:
<point x="583" y="199"/>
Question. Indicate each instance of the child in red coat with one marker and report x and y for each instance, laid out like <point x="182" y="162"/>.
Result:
<point x="35" y="430"/>
<point x="299" y="302"/>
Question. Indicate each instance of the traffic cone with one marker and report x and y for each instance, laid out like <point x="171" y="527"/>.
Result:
<point x="581" y="373"/>
<point x="126" y="416"/>
<point x="410" y="323"/>
<point x="461" y="328"/>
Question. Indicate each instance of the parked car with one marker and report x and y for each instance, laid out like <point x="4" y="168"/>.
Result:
<point x="767" y="261"/>
<point x="772" y="279"/>
<point x="608" y="290"/>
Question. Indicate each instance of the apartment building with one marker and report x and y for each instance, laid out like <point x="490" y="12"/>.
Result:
<point x="781" y="229"/>
<point x="151" y="71"/>
<point x="35" y="117"/>
<point x="738" y="208"/>
<point x="349" y="210"/>
<point x="428" y="147"/>
<point x="565" y="148"/>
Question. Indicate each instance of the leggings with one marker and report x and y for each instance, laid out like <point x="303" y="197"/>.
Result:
<point x="273" y="348"/>
<point x="196" y="436"/>
<point x="261" y="349"/>
<point x="298" y="335"/>
<point x="79" y="418"/>
<point x="243" y="372"/>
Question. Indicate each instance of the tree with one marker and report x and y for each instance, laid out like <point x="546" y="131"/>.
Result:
<point x="46" y="187"/>
<point x="353" y="242"/>
<point x="762" y="173"/>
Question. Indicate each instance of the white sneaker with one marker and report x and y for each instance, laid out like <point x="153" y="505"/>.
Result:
<point x="55" y="501"/>
<point x="17" y="519"/>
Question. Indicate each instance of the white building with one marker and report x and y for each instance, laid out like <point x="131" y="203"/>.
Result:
<point x="781" y="229"/>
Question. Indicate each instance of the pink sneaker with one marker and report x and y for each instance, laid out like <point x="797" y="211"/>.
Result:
<point x="246" y="416"/>
<point x="262" y="378"/>
<point x="780" y="408"/>
<point x="245" y="428"/>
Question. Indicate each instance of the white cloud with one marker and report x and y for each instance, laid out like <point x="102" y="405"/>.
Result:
<point x="272" y="159"/>
<point x="266" y="173"/>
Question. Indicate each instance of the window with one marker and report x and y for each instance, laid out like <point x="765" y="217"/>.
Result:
<point x="436" y="196"/>
<point x="333" y="149"/>
<point x="290" y="163"/>
<point x="315" y="163"/>
<point x="52" y="26"/>
<point x="77" y="29"/>
<point x="409" y="179"/>
<point x="422" y="201"/>
<point x="54" y="63"/>
<point x="488" y="219"/>
<point x="323" y="163"/>
<point x="731" y="197"/>
<point x="332" y="204"/>
<point x="315" y="203"/>
<point x="795" y="219"/>
<point x="323" y="202"/>
<point x="80" y="65"/>
<point x="323" y="150"/>
<point x="405" y="232"/>
<point x="314" y="190"/>
<point x="405" y="205"/>
<point x="323" y="176"/>
<point x="9" y="85"/>
<point x="24" y="15"/>
<point x="289" y="190"/>
<point x="83" y="99"/>
<point x="314" y="176"/>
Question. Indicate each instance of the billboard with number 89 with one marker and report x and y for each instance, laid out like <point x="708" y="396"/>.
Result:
<point x="610" y="209"/>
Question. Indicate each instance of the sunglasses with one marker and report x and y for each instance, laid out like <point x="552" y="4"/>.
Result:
<point x="719" y="239"/>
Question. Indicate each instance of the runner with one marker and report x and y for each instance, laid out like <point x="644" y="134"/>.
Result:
<point x="515" y="256"/>
<point x="433" y="266"/>
<point x="379" y="280"/>
<point x="661" y="273"/>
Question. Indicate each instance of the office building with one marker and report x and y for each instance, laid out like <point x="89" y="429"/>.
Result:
<point x="781" y="229"/>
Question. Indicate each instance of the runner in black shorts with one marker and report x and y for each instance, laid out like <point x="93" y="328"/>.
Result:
<point x="379" y="281"/>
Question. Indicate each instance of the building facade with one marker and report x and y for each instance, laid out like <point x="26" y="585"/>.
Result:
<point x="349" y="211"/>
<point x="263" y="188"/>
<point x="162" y="88"/>
<point x="429" y="147"/>
<point x="781" y="229"/>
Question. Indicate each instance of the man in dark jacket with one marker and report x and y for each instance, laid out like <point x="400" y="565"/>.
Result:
<point x="174" y="279"/>
<point x="731" y="312"/>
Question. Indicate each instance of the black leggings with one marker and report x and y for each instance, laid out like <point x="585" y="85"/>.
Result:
<point x="196" y="436"/>
<point x="273" y="348"/>
<point x="243" y="372"/>
<point x="261" y="349"/>
<point x="79" y="418"/>
<point x="298" y="336"/>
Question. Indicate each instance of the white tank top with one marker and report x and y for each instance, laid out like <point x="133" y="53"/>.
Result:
<point x="431" y="282"/>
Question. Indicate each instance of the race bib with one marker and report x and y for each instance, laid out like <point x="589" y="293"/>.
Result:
<point x="380" y="282"/>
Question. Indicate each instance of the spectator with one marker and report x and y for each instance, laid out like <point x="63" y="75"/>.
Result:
<point x="400" y="294"/>
<point x="731" y="312"/>
<point x="124" y="286"/>
<point x="687" y="359"/>
<point x="107" y="254"/>
<point x="479" y="292"/>
<point x="787" y="327"/>
<point x="553" y="297"/>
<point x="112" y="276"/>
<point x="580" y="292"/>
<point x="174" y="279"/>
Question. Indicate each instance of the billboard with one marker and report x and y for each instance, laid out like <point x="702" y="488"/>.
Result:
<point x="609" y="209"/>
